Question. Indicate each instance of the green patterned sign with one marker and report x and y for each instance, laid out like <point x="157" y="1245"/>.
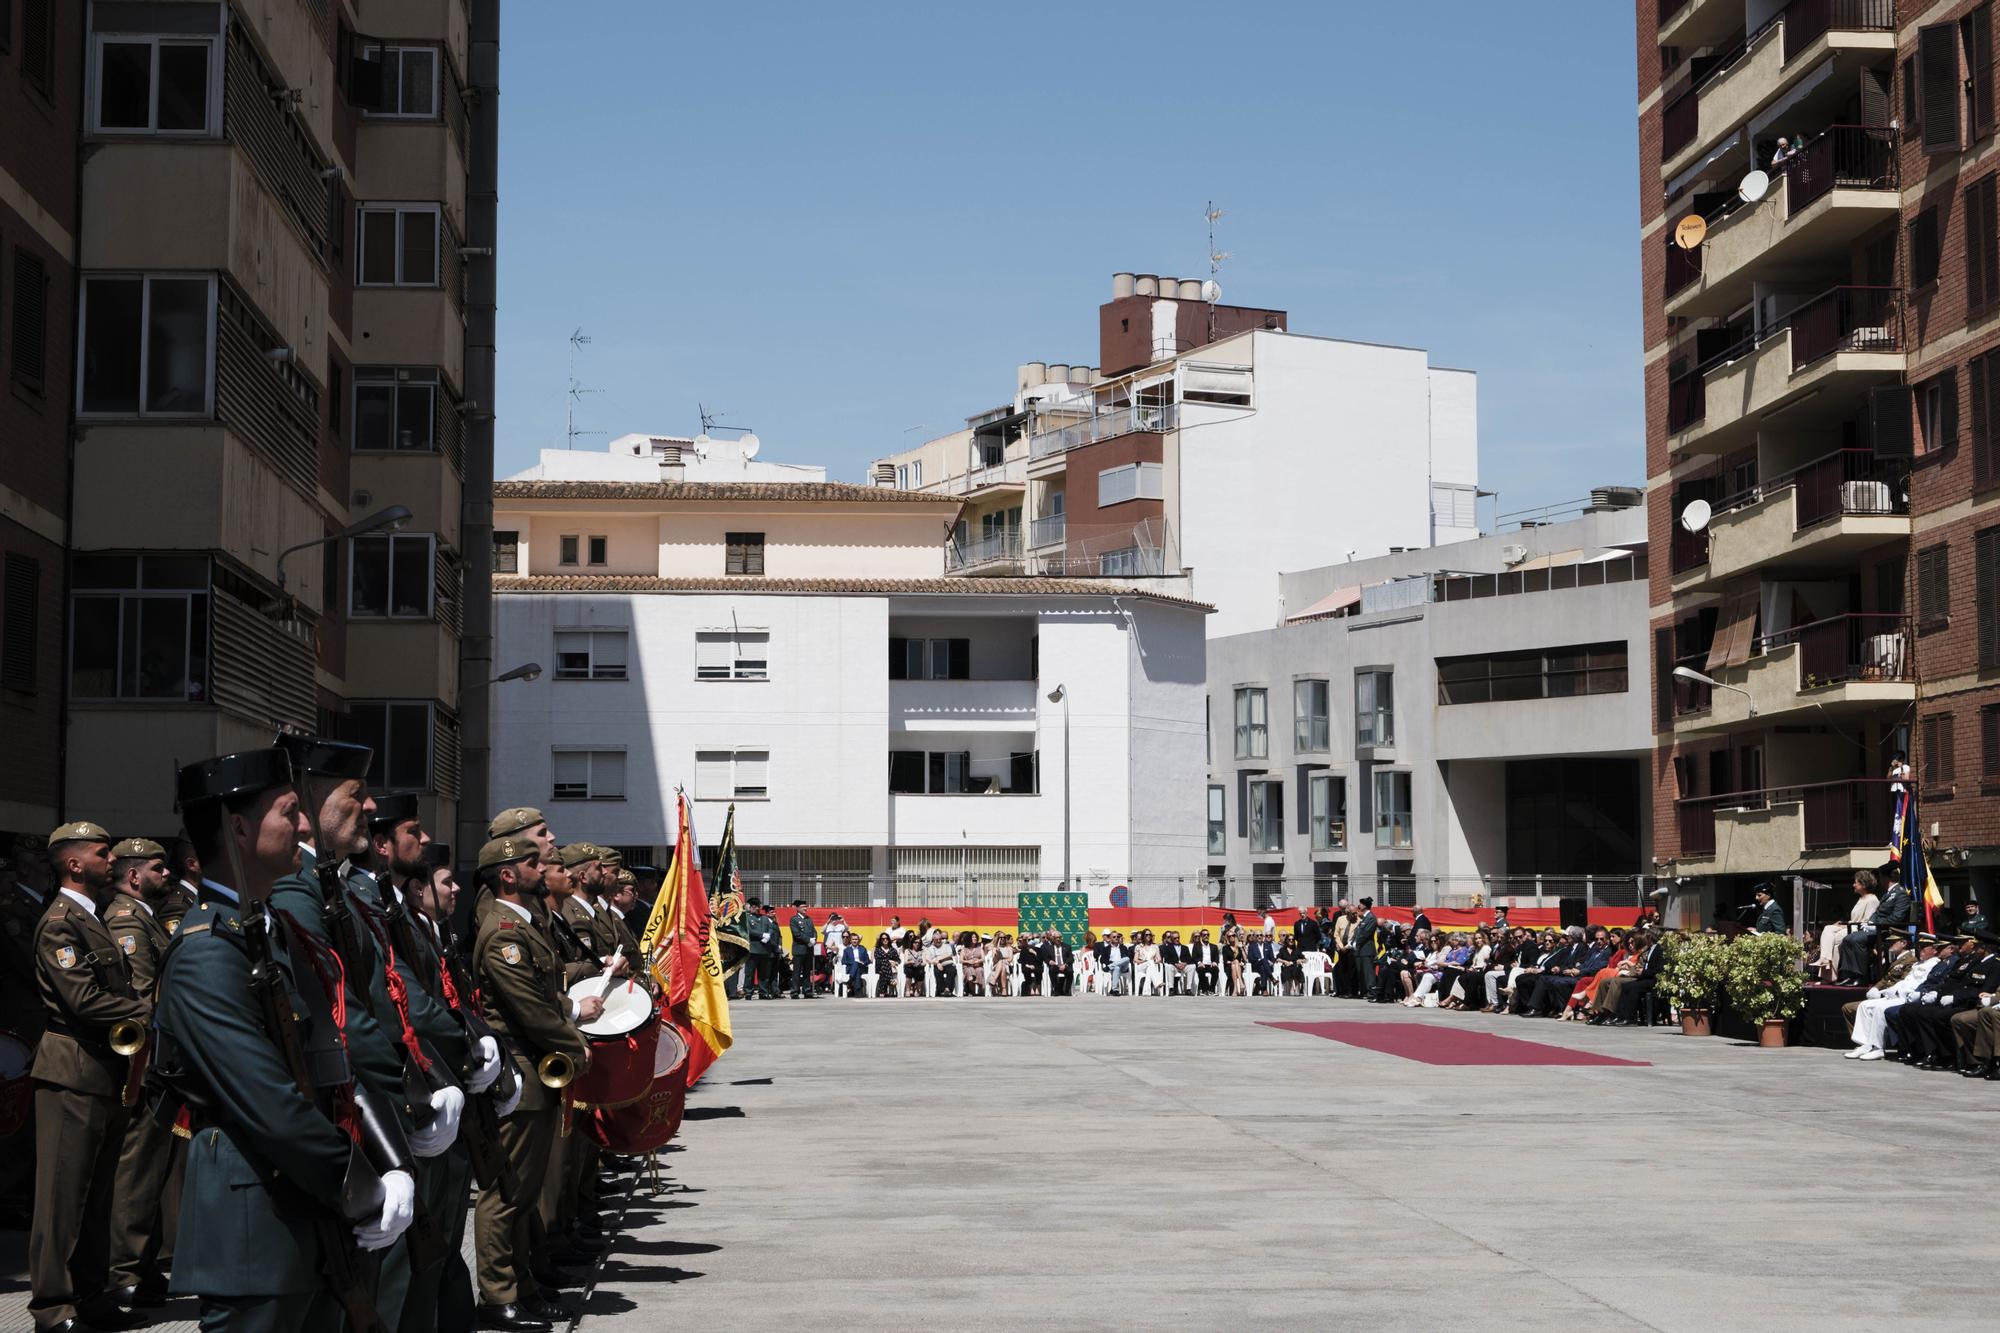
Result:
<point x="1066" y="912"/>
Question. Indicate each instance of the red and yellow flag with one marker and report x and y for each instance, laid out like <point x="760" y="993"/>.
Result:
<point x="681" y="944"/>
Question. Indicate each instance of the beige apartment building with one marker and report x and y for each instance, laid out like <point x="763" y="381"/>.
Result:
<point x="284" y="293"/>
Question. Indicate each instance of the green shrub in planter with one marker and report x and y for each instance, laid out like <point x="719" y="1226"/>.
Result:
<point x="1765" y="977"/>
<point x="1694" y="971"/>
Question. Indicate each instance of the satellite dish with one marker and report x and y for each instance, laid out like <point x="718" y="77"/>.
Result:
<point x="1691" y="231"/>
<point x="1695" y="517"/>
<point x="1754" y="187"/>
<point x="1211" y="291"/>
<point x="751" y="444"/>
<point x="701" y="443"/>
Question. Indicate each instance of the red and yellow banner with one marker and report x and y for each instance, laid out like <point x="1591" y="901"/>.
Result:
<point x="680" y="941"/>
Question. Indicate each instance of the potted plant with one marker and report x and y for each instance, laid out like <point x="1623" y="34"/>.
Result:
<point x="1766" y="983"/>
<point x="1693" y="977"/>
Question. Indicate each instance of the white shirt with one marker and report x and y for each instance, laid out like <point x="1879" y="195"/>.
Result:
<point x="529" y="917"/>
<point x="79" y="900"/>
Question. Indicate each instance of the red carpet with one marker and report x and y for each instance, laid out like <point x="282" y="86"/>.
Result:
<point x="1432" y="1045"/>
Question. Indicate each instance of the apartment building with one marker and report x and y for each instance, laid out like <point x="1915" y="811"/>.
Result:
<point x="41" y="90"/>
<point x="887" y="734"/>
<point x="1817" y="373"/>
<point x="283" y="302"/>
<point x="1467" y="721"/>
<point x="1208" y="448"/>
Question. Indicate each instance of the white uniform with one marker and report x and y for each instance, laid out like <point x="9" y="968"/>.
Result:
<point x="1871" y="1026"/>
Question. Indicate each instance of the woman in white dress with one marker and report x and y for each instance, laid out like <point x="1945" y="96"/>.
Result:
<point x="1830" y="937"/>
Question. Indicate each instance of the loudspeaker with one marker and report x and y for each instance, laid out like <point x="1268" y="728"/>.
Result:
<point x="1570" y="912"/>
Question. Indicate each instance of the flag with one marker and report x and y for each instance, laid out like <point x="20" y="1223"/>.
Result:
<point x="681" y="948"/>
<point x="1910" y="855"/>
<point x="728" y="885"/>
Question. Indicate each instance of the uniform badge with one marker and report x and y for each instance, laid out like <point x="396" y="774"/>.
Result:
<point x="129" y="943"/>
<point x="510" y="952"/>
<point x="65" y="957"/>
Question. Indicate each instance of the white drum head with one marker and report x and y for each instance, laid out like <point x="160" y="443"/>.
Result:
<point x="627" y="1006"/>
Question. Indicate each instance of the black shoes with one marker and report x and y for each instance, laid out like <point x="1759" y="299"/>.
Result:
<point x="557" y="1279"/>
<point x="143" y="1296"/>
<point x="513" y="1317"/>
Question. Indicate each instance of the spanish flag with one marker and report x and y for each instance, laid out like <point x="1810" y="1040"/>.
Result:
<point x="682" y="948"/>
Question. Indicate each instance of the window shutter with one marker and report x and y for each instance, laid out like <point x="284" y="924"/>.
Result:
<point x="1976" y="248"/>
<point x="1933" y="584"/>
<point x="1891" y="413"/>
<point x="1982" y="422"/>
<point x="607" y="773"/>
<point x="1989" y="741"/>
<point x="1911" y="106"/>
<point x="1924" y="248"/>
<point x="1978" y="32"/>
<point x="1947" y="413"/>
<point x="20" y="593"/>
<point x="1986" y="586"/>
<point x="753" y="771"/>
<point x="1663" y="679"/>
<point x="713" y="780"/>
<point x="1983" y="215"/>
<point x="30" y="319"/>
<point x="1937" y="62"/>
<point x="38" y="45"/>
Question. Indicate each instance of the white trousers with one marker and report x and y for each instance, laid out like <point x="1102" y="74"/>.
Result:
<point x="1871" y="1025"/>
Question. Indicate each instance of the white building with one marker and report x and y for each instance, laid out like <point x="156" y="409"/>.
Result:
<point x="885" y="732"/>
<point x="1470" y="719"/>
<point x="668" y="458"/>
<point x="1209" y="450"/>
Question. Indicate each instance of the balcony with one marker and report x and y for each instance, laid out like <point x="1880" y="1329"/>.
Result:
<point x="1011" y="475"/>
<point x="1105" y="426"/>
<point x="1820" y="826"/>
<point x="963" y="706"/>
<point x="1727" y="88"/>
<point x="1688" y="550"/>
<point x="1047" y="532"/>
<point x="1818" y="516"/>
<point x="1807" y="371"/>
<point x="998" y="548"/>
<point x="1838" y="187"/>
<point x="1842" y="665"/>
<point x="1695" y="23"/>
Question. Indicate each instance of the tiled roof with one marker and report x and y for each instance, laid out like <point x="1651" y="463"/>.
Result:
<point x="1005" y="587"/>
<point x="797" y="492"/>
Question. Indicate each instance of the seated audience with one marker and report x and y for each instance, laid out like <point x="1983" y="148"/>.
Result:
<point x="1826" y="964"/>
<point x="1291" y="967"/>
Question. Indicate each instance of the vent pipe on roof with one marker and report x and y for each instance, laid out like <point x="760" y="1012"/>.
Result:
<point x="1190" y="289"/>
<point x="1146" y="284"/>
<point x="1033" y="373"/>
<point x="1121" y="285"/>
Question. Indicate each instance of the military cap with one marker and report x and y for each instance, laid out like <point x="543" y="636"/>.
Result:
<point x="506" y="851"/>
<point x="611" y="856"/>
<point x="516" y="820"/>
<point x="81" y="830"/>
<point x="1988" y="938"/>
<point x="576" y="854"/>
<point x="437" y="855"/>
<point x="393" y="810"/>
<point x="244" y="773"/>
<point x="138" y="849"/>
<point x="323" y="758"/>
<point x="627" y="877"/>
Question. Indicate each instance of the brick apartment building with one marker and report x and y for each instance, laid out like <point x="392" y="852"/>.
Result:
<point x="247" y="304"/>
<point x="1823" y="377"/>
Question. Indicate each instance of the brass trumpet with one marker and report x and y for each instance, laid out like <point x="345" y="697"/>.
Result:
<point x="556" y="1070"/>
<point x="127" y="1036"/>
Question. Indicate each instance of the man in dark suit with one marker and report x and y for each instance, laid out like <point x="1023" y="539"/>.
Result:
<point x="1263" y="960"/>
<point x="1367" y="940"/>
<point x="1560" y="962"/>
<point x="1207" y="962"/>
<point x="860" y="964"/>
<point x="1060" y="959"/>
<point x="1929" y="1023"/>
<point x="1306" y="931"/>
<point x="1419" y="920"/>
<point x="1900" y="1023"/>
<point x="1178" y="962"/>
<point x="1770" y="917"/>
<point x="1892" y="914"/>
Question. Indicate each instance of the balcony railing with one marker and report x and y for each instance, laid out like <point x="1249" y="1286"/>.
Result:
<point x="1846" y="319"/>
<point x="1846" y="648"/>
<point x="1849" y="481"/>
<point x="1806" y="21"/>
<point x="1004" y="544"/>
<point x="1104" y="426"/>
<point x="1848" y="157"/>
<point x="1689" y="549"/>
<point x="1687" y="400"/>
<point x="1050" y="531"/>
<point x="1679" y="123"/>
<point x="1836" y="815"/>
<point x="1669" y="8"/>
<point x="1683" y="269"/>
<point x="1011" y="473"/>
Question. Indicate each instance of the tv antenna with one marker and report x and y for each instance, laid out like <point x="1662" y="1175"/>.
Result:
<point x="1211" y="291"/>
<point x="577" y="339"/>
<point x="712" y="421"/>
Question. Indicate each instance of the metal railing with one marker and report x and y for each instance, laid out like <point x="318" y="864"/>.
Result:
<point x="1105" y="426"/>
<point x="1847" y="481"/>
<point x="1014" y="472"/>
<point x="1679" y="123"/>
<point x="1050" y="531"/>
<point x="1835" y="815"/>
<point x="1850" y="157"/>
<point x="1857" y="646"/>
<point x="1689" y="550"/>
<point x="1669" y="8"/>
<point x="1687" y="401"/>
<point x="1845" y="319"/>
<point x="1683" y="269"/>
<point x="1002" y="545"/>
<point x="1806" y="21"/>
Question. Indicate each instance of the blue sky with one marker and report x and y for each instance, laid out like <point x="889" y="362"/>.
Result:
<point x="838" y="222"/>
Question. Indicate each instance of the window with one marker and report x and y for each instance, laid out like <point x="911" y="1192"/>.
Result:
<point x="1374" y="708"/>
<point x="1218" y="826"/>
<point x="31" y="295"/>
<point x="1989" y="743"/>
<point x="506" y="551"/>
<point x="930" y="659"/>
<point x="1976" y="32"/>
<point x="732" y="654"/>
<point x="745" y="553"/>
<point x="139" y="628"/>
<point x="910" y="476"/>
<point x="1933" y="586"/>
<point x="600" y="550"/>
<point x="1936" y="762"/>
<point x="1540" y="673"/>
<point x="1986" y="588"/>
<point x="1982" y="375"/>
<point x="38" y="46"/>
<point x="1267" y="815"/>
<point x="1937" y="87"/>
<point x="589" y="775"/>
<point x="395" y="409"/>
<point x="569" y="550"/>
<point x="1253" y="740"/>
<point x="591" y="654"/>
<point x="1392" y="809"/>
<point x="1133" y="481"/>
<point x="391" y="577"/>
<point x="1937" y="412"/>
<point x="1309" y="715"/>
<point x="148" y="346"/>
<point x="20" y="613"/>
<point x="153" y="85"/>
<point x="1924" y="248"/>
<point x="1982" y="245"/>
<point x="1454" y="506"/>
<point x="1226" y="386"/>
<point x="732" y="775"/>
<point x="400" y="734"/>
<point x="409" y="80"/>
<point x="1327" y="797"/>
<point x="399" y="245"/>
<point x="1131" y="562"/>
<point x="950" y="773"/>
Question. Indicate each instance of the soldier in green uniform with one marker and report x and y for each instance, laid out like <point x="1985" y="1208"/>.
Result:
<point x="569" y="1190"/>
<point x="25" y="886"/>
<point x="521" y="993"/>
<point x="521" y="821"/>
<point x="292" y="1165"/>
<point x="183" y="883"/>
<point x="139" y="877"/>
<point x="79" y="1122"/>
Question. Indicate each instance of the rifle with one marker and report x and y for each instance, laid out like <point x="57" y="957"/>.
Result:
<point x="338" y="1252"/>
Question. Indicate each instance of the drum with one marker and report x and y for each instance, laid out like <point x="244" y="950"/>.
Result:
<point x="17" y="1092"/>
<point x="646" y="1124"/>
<point x="623" y="1043"/>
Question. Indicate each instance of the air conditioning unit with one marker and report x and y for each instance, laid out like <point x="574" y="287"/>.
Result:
<point x="1513" y="555"/>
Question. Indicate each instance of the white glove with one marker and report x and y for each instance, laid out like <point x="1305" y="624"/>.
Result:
<point x="1874" y="994"/>
<point x="506" y="1108"/>
<point x="399" y="1209"/>
<point x="488" y="1068"/>
<point x="1932" y="998"/>
<point x="436" y="1137"/>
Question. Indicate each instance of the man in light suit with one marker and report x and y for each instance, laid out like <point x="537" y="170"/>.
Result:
<point x="1114" y="960"/>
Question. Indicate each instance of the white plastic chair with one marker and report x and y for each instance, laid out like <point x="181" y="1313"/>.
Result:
<point x="1084" y="980"/>
<point x="839" y="980"/>
<point x="1317" y="974"/>
<point x="1149" y="974"/>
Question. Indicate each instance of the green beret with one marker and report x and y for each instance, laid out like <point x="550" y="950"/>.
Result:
<point x="516" y="820"/>
<point x="138" y="849"/>
<point x="80" y="831"/>
<point x="576" y="854"/>
<point x="506" y="851"/>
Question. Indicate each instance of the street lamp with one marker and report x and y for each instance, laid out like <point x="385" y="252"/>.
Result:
<point x="526" y="671"/>
<point x="392" y="519"/>
<point x="1690" y="674"/>
<point x="1060" y="695"/>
